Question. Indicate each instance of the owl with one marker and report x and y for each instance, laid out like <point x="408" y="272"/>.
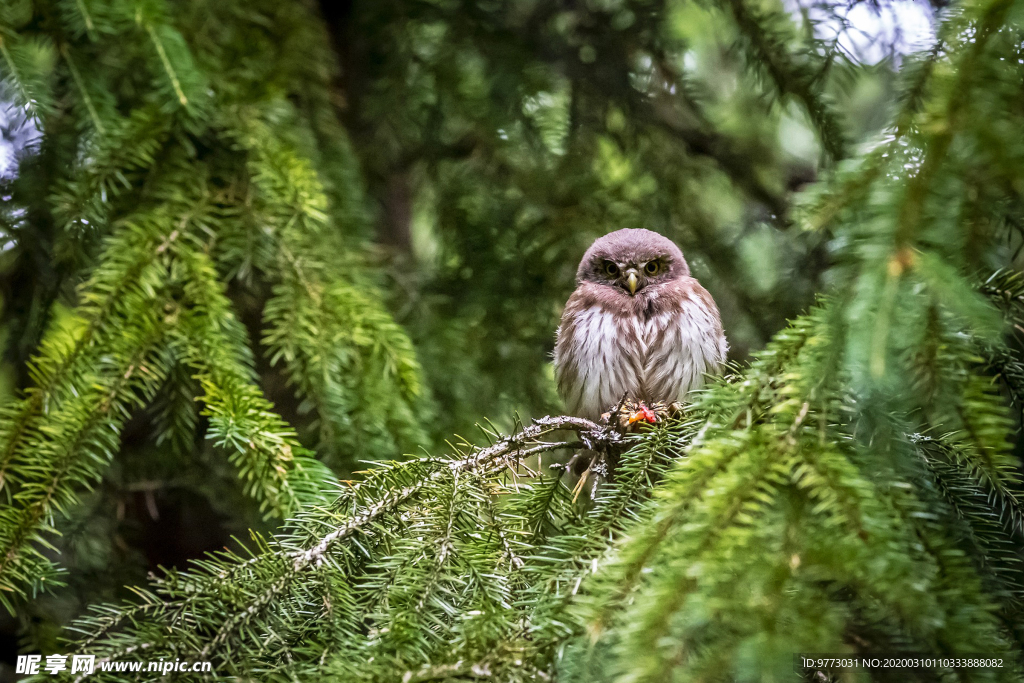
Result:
<point x="637" y="326"/>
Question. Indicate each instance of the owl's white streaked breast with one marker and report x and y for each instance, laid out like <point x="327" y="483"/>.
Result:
<point x="594" y="368"/>
<point x="603" y="355"/>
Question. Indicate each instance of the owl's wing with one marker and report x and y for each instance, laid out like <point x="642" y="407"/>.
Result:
<point x="706" y="327"/>
<point x="684" y="342"/>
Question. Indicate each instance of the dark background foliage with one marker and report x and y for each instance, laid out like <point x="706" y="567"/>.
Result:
<point x="389" y="201"/>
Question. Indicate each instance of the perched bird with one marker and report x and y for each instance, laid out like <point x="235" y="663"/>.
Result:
<point x="637" y="326"/>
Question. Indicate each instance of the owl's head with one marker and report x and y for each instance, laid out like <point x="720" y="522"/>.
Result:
<point x="631" y="260"/>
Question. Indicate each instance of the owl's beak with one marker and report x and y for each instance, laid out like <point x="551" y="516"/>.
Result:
<point x="631" y="281"/>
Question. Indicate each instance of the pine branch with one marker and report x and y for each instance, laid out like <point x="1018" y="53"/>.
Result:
<point x="274" y="573"/>
<point x="24" y="67"/>
<point x="91" y="372"/>
<point x="264" y="449"/>
<point x="341" y="348"/>
<point x="764" y="32"/>
<point x="58" y="464"/>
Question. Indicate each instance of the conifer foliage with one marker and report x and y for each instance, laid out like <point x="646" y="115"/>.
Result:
<point x="179" y="168"/>
<point x="853" y="489"/>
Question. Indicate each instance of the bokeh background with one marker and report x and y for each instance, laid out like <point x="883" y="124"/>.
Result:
<point x="470" y="152"/>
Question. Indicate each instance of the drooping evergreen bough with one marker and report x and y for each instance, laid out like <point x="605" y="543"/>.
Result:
<point x="852" y="490"/>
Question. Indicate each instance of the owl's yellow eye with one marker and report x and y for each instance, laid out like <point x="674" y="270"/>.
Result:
<point x="611" y="269"/>
<point x="652" y="267"/>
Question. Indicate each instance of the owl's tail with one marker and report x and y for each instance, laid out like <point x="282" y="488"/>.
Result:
<point x="602" y="463"/>
<point x="582" y="461"/>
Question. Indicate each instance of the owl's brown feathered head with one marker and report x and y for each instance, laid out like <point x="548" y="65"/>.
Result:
<point x="632" y="259"/>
